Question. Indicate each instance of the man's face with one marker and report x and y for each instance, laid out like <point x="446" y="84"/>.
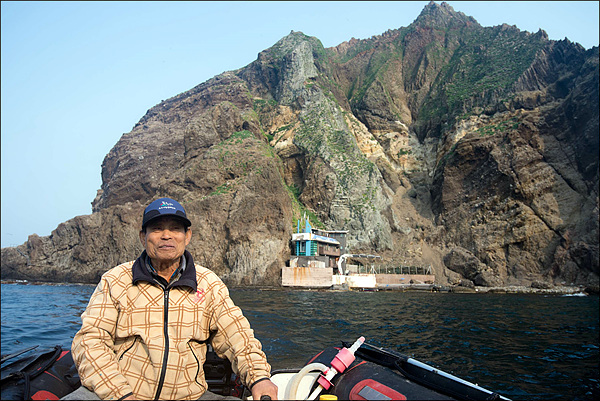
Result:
<point x="165" y="239"/>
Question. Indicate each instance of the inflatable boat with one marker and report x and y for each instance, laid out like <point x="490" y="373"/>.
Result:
<point x="357" y="371"/>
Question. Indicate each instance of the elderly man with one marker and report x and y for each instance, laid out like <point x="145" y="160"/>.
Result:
<point x="145" y="330"/>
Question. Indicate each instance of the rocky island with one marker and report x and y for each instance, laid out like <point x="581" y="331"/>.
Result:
<point x="445" y="143"/>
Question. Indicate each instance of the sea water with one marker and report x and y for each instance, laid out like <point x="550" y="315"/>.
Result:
<point x="541" y="347"/>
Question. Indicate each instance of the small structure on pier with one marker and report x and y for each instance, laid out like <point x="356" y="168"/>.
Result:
<point x="319" y="261"/>
<point x="317" y="248"/>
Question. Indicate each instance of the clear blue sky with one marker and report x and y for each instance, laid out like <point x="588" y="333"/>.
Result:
<point x="77" y="75"/>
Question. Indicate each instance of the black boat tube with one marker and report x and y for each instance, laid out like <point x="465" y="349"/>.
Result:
<point x="427" y="375"/>
<point x="10" y="356"/>
<point x="468" y="395"/>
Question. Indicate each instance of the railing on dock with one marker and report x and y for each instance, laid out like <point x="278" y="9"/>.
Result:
<point x="380" y="269"/>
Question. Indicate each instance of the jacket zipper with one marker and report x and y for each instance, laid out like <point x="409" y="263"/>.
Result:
<point x="163" y="371"/>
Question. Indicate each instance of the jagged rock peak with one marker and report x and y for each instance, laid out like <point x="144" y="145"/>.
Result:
<point x="289" y="43"/>
<point x="442" y="15"/>
<point x="471" y="149"/>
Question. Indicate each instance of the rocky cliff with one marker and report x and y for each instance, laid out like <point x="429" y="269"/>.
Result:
<point x="471" y="149"/>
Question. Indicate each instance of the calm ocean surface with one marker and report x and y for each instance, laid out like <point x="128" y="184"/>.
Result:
<point x="528" y="347"/>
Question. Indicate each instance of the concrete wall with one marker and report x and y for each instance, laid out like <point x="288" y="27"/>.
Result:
<point x="309" y="261"/>
<point x="405" y="278"/>
<point x="361" y="281"/>
<point x="313" y="277"/>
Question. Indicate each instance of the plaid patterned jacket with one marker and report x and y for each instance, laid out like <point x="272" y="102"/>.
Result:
<point x="142" y="339"/>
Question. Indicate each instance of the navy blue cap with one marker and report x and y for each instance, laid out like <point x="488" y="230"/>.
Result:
<point x="165" y="207"/>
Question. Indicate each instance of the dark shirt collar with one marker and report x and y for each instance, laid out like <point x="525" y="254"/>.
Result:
<point x="187" y="278"/>
<point x="176" y="274"/>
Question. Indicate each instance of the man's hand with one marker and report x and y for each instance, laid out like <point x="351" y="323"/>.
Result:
<point x="264" y="387"/>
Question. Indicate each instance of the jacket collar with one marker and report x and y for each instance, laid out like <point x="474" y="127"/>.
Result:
<point x="187" y="279"/>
